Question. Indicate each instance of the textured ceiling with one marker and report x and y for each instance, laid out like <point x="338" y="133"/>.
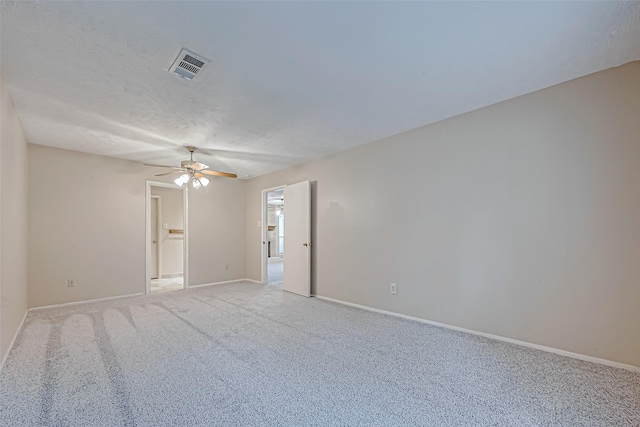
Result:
<point x="288" y="81"/>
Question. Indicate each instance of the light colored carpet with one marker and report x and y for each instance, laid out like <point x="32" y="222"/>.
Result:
<point x="244" y="354"/>
<point x="275" y="271"/>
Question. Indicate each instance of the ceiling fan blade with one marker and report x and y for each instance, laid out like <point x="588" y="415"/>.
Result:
<point x="217" y="173"/>
<point x="169" y="173"/>
<point x="199" y="166"/>
<point x="164" y="166"/>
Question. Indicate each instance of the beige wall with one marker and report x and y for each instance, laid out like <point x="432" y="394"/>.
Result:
<point x="87" y="223"/>
<point x="172" y="214"/>
<point x="521" y="219"/>
<point x="13" y="222"/>
<point x="217" y="232"/>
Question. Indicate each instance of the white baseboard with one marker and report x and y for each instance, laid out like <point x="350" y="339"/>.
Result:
<point x="13" y="341"/>
<point x="491" y="336"/>
<point x="222" y="283"/>
<point x="44" y="307"/>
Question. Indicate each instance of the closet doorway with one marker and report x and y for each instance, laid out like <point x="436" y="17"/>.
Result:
<point x="166" y="237"/>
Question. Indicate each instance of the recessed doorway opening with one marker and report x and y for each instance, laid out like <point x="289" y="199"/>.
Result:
<point x="274" y="219"/>
<point x="166" y="237"/>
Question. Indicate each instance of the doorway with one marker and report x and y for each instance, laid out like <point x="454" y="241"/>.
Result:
<point x="274" y="220"/>
<point x="286" y="239"/>
<point x="155" y="233"/>
<point x="166" y="237"/>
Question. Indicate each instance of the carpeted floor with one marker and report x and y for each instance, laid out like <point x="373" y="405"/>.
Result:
<point x="244" y="354"/>
<point x="275" y="271"/>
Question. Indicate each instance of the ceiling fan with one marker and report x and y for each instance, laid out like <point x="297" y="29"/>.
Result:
<point x="191" y="170"/>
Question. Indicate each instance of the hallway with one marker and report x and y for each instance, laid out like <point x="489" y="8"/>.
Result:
<point x="275" y="271"/>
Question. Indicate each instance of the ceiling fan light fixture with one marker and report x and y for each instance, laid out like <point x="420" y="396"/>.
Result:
<point x="181" y="180"/>
<point x="193" y="171"/>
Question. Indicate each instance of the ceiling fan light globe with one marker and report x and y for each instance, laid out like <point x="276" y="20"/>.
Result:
<point x="181" y="180"/>
<point x="204" y="181"/>
<point x="196" y="183"/>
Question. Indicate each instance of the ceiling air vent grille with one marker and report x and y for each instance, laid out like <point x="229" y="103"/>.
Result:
<point x="188" y="65"/>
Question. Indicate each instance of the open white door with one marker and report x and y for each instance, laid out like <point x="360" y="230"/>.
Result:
<point x="155" y="247"/>
<point x="297" y="239"/>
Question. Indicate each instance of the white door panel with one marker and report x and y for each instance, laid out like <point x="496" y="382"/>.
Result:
<point x="297" y="239"/>
<point x="155" y="274"/>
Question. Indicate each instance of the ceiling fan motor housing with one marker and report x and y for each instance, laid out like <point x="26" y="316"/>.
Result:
<point x="191" y="164"/>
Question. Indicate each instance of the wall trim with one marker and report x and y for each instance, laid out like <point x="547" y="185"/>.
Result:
<point x="565" y="353"/>
<point x="88" y="301"/>
<point x="13" y="341"/>
<point x="224" y="283"/>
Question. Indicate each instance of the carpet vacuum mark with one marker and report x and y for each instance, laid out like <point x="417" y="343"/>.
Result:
<point x="244" y="354"/>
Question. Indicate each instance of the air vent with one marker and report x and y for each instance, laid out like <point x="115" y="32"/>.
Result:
<point x="188" y="64"/>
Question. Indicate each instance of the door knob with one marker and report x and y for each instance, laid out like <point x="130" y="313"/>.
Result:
<point x="155" y="241"/>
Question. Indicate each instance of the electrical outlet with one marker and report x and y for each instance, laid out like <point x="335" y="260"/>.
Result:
<point x="393" y="288"/>
<point x="70" y="283"/>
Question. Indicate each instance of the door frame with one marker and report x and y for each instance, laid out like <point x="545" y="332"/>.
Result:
<point x="264" y="276"/>
<point x="158" y="201"/>
<point x="185" y="241"/>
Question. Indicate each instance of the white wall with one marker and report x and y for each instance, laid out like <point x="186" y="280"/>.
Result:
<point x="87" y="223"/>
<point x="13" y="222"/>
<point x="520" y="219"/>
<point x="172" y="214"/>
